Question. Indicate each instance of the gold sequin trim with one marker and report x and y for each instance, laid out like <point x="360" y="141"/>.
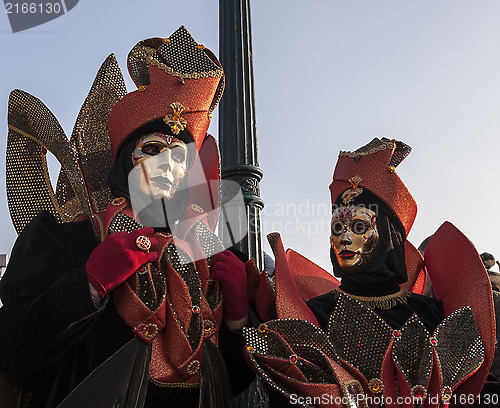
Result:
<point x="353" y="390"/>
<point x="164" y="234"/>
<point x="100" y="226"/>
<point x="195" y="75"/>
<point x="386" y="145"/>
<point x="381" y="302"/>
<point x="173" y="385"/>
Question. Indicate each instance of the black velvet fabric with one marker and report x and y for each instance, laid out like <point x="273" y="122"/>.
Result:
<point x="51" y="334"/>
<point x="387" y="264"/>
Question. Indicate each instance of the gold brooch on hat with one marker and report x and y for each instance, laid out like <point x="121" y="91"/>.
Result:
<point x="354" y="191"/>
<point x="174" y="120"/>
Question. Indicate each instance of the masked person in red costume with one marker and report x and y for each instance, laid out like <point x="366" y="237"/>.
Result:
<point x="371" y="341"/>
<point x="123" y="308"/>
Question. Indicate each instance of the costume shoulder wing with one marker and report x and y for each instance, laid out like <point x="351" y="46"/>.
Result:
<point x="33" y="130"/>
<point x="90" y="141"/>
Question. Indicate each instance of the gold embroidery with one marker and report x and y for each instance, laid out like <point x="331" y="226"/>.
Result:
<point x="173" y="385"/>
<point x="381" y="302"/>
<point x="383" y="146"/>
<point x="195" y="75"/>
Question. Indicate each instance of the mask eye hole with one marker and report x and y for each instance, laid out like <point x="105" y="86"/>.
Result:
<point x="359" y="227"/>
<point x="178" y="155"/>
<point x="337" y="228"/>
<point x="151" y="149"/>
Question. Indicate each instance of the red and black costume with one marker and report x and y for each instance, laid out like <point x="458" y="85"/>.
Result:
<point x="373" y="339"/>
<point x="156" y="340"/>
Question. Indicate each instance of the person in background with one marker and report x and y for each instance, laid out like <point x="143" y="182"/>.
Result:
<point x="489" y="261"/>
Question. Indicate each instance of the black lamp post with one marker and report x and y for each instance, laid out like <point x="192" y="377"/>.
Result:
<point x="237" y="129"/>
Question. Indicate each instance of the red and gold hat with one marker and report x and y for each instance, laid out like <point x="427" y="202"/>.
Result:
<point x="178" y="80"/>
<point x="373" y="167"/>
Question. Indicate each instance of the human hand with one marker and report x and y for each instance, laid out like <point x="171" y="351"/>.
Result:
<point x="117" y="258"/>
<point x="230" y="272"/>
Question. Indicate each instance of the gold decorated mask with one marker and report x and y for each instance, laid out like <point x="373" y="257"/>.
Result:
<point x="354" y="235"/>
<point x="160" y="165"/>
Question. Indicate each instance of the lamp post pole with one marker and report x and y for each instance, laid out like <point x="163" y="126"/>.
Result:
<point x="237" y="128"/>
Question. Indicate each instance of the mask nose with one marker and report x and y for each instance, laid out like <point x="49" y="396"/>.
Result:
<point x="345" y="238"/>
<point x="166" y="162"/>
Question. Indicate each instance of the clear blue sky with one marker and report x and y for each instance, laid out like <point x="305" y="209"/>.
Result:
<point x="329" y="75"/>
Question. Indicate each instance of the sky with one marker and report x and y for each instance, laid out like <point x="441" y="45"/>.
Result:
<point x="329" y="76"/>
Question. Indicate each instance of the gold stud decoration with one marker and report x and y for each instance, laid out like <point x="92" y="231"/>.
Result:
<point x="208" y="326"/>
<point x="197" y="208"/>
<point x="118" y="201"/>
<point x="143" y="243"/>
<point x="376" y="386"/>
<point x="446" y="394"/>
<point x="150" y="330"/>
<point x="142" y="270"/>
<point x="193" y="367"/>
<point x="418" y="392"/>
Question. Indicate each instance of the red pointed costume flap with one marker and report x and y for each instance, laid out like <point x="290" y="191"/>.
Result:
<point x="311" y="279"/>
<point x="417" y="274"/>
<point x="460" y="279"/>
<point x="289" y="304"/>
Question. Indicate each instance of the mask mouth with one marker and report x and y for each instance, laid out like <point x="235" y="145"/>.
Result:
<point x="162" y="181"/>
<point x="347" y="254"/>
